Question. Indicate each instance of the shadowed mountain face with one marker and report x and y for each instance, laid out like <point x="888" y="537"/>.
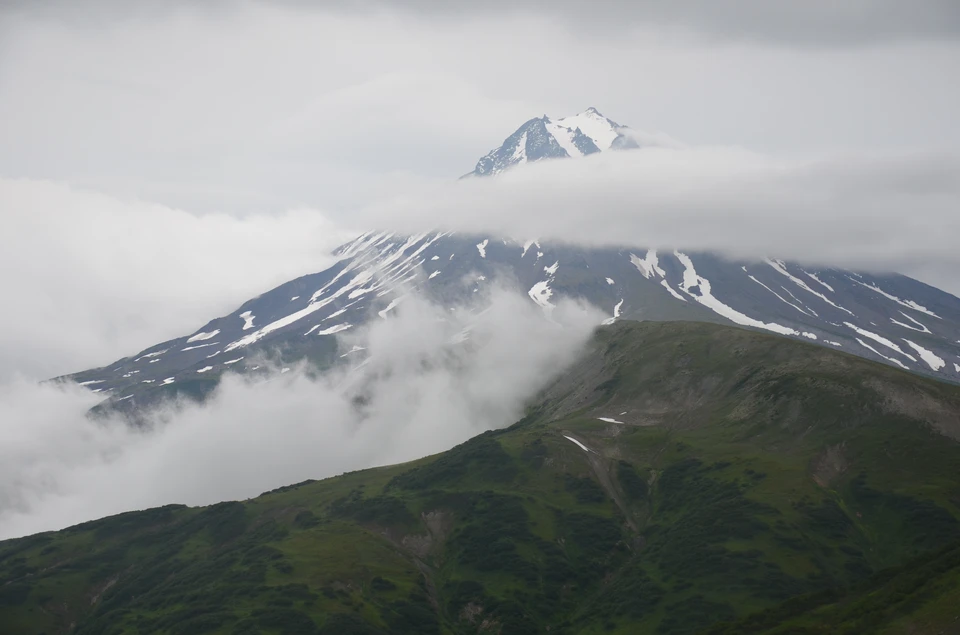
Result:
<point x="893" y="319"/>
<point x="889" y="318"/>
<point x="680" y="477"/>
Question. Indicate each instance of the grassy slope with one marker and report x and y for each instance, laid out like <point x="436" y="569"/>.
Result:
<point x="751" y="474"/>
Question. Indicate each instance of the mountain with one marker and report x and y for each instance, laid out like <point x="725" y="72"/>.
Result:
<point x="679" y="478"/>
<point x="889" y="318"/>
<point x="543" y="138"/>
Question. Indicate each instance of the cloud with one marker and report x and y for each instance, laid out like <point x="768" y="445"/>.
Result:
<point x="883" y="213"/>
<point x="89" y="278"/>
<point x="813" y="22"/>
<point x="421" y="392"/>
<point x="260" y="106"/>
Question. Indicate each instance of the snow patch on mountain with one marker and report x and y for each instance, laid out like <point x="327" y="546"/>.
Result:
<point x="931" y="359"/>
<point x="910" y="304"/>
<point x="591" y="123"/>
<point x="879" y="354"/>
<point x="881" y="340"/>
<point x="780" y="267"/>
<point x="247" y="318"/>
<point x="650" y="264"/>
<point x="693" y="281"/>
<point x="781" y="298"/>
<point x="199" y="337"/>
<point x="541" y="293"/>
<point x="920" y="327"/>
<point x="616" y="314"/>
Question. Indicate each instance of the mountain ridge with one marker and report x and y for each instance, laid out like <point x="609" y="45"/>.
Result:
<point x="679" y="477"/>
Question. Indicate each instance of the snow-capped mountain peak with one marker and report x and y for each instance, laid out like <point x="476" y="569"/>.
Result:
<point x="545" y="138"/>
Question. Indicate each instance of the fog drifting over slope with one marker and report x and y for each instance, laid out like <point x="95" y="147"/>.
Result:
<point x="422" y="390"/>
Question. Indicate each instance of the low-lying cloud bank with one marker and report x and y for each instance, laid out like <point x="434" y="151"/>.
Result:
<point x="889" y="214"/>
<point x="424" y="388"/>
<point x="88" y="278"/>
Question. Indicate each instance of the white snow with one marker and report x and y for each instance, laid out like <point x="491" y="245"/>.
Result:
<point x="167" y="381"/>
<point x="927" y="356"/>
<point x="284" y="370"/>
<point x="814" y="276"/>
<point x="649" y="265"/>
<point x="247" y="318"/>
<point x="922" y="329"/>
<point x="609" y="420"/>
<point x="124" y="398"/>
<point x="780" y="267"/>
<point x="355" y="349"/>
<point x="91" y="382"/>
<point x="564" y="137"/>
<point x="482" y="247"/>
<point x="691" y="279"/>
<point x="790" y="293"/>
<point x="393" y="303"/>
<point x="154" y="354"/>
<point x="889" y="359"/>
<point x="526" y="246"/>
<point x="451" y="256"/>
<point x="315" y="305"/>
<point x="780" y="297"/>
<point x="956" y="367"/>
<point x="520" y="152"/>
<point x="552" y="269"/>
<point x="154" y="361"/>
<point x="213" y="355"/>
<point x="190" y="348"/>
<point x="233" y="361"/>
<point x="616" y="313"/>
<point x="809" y="336"/>
<point x="204" y="369"/>
<point x="666" y="285"/>
<point x="435" y="258"/>
<point x="594" y="125"/>
<point x="296" y="297"/>
<point x="910" y="304"/>
<point x="581" y="446"/>
<point x="335" y="329"/>
<point x="540" y="293"/>
<point x="880" y="339"/>
<point x="832" y="343"/>
<point x="199" y="337"/>
<point x="610" y="281"/>
<point x="147" y="381"/>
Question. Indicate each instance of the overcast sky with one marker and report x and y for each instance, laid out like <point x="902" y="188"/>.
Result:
<point x="125" y="122"/>
<point x="243" y="106"/>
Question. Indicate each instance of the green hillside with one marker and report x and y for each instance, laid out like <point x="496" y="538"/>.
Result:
<point x="748" y="484"/>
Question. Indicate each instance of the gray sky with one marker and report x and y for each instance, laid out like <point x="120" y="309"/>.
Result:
<point x="260" y="106"/>
<point x="123" y="123"/>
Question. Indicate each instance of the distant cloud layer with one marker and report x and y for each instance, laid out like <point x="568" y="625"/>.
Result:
<point x="89" y="278"/>
<point x="818" y="22"/>
<point x="896" y="213"/>
<point x="422" y="392"/>
<point x="263" y="106"/>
